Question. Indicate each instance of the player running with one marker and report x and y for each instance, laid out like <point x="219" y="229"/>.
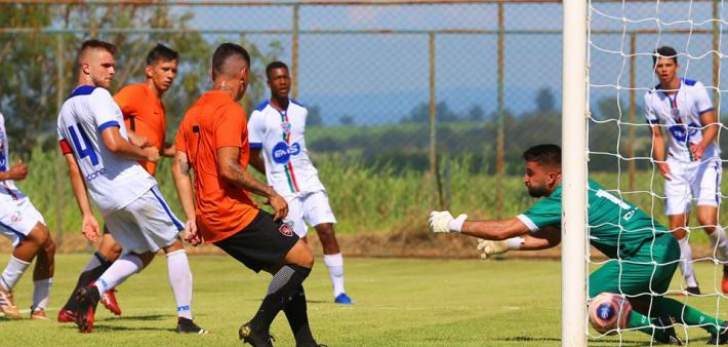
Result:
<point x="277" y="128"/>
<point x="642" y="252"/>
<point x="212" y="140"/>
<point x="145" y="121"/>
<point x="100" y="158"/>
<point x="692" y="168"/>
<point x="21" y="222"/>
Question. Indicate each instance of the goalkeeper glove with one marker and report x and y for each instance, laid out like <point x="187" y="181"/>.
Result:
<point x="443" y="222"/>
<point x="490" y="248"/>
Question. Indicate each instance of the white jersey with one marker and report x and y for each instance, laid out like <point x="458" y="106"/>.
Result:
<point x="679" y="114"/>
<point x="8" y="189"/>
<point x="113" y="181"/>
<point x="280" y="136"/>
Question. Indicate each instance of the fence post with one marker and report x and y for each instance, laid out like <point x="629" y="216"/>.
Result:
<point x="434" y="172"/>
<point x="294" y="52"/>
<point x="716" y="56"/>
<point x="500" y="134"/>
<point x="58" y="164"/>
<point x="631" y="133"/>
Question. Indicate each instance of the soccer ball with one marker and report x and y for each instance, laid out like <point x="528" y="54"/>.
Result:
<point x="609" y="312"/>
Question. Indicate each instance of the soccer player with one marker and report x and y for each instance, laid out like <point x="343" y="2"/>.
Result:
<point x="692" y="166"/>
<point x="643" y="254"/>
<point x="212" y="140"/>
<point x="144" y="116"/>
<point x="100" y="158"/>
<point x="277" y="128"/>
<point x="21" y="222"/>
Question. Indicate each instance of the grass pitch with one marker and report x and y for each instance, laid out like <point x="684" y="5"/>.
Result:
<point x="398" y="302"/>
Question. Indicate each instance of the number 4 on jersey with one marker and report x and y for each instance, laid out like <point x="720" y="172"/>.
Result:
<point x="83" y="150"/>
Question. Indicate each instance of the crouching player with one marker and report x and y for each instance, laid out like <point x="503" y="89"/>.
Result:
<point x="643" y="257"/>
<point x="26" y="229"/>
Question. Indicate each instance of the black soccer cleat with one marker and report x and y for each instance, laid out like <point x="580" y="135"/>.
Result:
<point x="188" y="326"/>
<point x="665" y="331"/>
<point x="692" y="290"/>
<point x="254" y="338"/>
<point x="87" y="298"/>
<point x="720" y="338"/>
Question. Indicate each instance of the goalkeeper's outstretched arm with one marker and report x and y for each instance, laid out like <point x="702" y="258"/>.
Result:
<point x="443" y="222"/>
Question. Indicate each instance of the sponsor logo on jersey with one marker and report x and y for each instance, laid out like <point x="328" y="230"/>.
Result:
<point x="286" y="230"/>
<point x="282" y="152"/>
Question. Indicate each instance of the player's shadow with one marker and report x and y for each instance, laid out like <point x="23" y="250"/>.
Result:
<point x="150" y="317"/>
<point x="116" y="328"/>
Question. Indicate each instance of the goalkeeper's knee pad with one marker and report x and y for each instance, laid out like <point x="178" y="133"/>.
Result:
<point x="609" y="312"/>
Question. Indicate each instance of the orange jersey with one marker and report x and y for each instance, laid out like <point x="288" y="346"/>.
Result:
<point x="144" y="115"/>
<point x="215" y="121"/>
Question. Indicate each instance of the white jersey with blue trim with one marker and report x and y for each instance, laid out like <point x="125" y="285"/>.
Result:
<point x="679" y="115"/>
<point x="280" y="136"/>
<point x="8" y="189"/>
<point x="112" y="180"/>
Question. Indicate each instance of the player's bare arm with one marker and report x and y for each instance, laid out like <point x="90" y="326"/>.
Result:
<point x="183" y="183"/>
<point x="709" y="121"/>
<point x="118" y="145"/>
<point x="256" y="161"/>
<point x="495" y="229"/>
<point x="89" y="227"/>
<point x="17" y="172"/>
<point x="168" y="150"/>
<point x="136" y="139"/>
<point x="658" y="151"/>
<point x="230" y="170"/>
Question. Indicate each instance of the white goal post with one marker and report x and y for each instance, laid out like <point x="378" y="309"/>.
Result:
<point x="574" y="171"/>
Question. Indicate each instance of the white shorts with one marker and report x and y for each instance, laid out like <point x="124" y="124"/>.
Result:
<point x="309" y="209"/>
<point x="144" y="225"/>
<point x="697" y="182"/>
<point x="18" y="218"/>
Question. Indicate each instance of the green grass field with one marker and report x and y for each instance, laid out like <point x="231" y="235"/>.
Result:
<point x="399" y="302"/>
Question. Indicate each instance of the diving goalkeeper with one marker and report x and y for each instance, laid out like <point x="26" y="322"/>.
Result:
<point x="643" y="255"/>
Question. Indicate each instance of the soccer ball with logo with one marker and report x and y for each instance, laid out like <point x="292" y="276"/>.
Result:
<point x="608" y="312"/>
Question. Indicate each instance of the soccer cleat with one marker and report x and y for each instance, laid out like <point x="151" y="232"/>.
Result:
<point x="38" y="314"/>
<point x="720" y="338"/>
<point x="665" y="331"/>
<point x="109" y="301"/>
<point x="724" y="282"/>
<point x="88" y="298"/>
<point x="343" y="299"/>
<point x="187" y="326"/>
<point x="254" y="338"/>
<point x="66" y="316"/>
<point x="692" y="290"/>
<point x="7" y="306"/>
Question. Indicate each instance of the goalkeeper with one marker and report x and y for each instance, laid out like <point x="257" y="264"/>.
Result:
<point x="643" y="255"/>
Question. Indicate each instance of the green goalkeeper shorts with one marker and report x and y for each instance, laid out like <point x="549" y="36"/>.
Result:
<point x="639" y="274"/>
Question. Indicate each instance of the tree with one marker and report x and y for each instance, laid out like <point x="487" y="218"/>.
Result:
<point x="346" y="120"/>
<point x="545" y="101"/>
<point x="476" y="113"/>
<point x="314" y="118"/>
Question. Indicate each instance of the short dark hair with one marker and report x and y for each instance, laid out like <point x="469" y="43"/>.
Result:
<point x="275" y="65"/>
<point x="546" y="154"/>
<point x="223" y="52"/>
<point x="665" y="52"/>
<point x="96" y="44"/>
<point x="161" y="52"/>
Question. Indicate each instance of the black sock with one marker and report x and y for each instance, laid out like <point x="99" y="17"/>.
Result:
<point x="87" y="277"/>
<point x="297" y="315"/>
<point x="280" y="292"/>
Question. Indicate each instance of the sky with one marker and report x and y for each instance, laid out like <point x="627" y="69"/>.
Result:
<point x="379" y="78"/>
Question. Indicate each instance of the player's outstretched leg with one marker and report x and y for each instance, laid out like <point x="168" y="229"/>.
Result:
<point x="89" y="297"/>
<point x="690" y="316"/>
<point x="284" y="286"/>
<point x="23" y="255"/>
<point x="334" y="261"/>
<point x="180" y="279"/>
<point x="43" y="279"/>
<point x="108" y="251"/>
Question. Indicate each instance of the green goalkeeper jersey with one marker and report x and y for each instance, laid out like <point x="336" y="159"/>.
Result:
<point x="617" y="228"/>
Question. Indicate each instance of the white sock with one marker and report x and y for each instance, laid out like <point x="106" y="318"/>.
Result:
<point x="720" y="243"/>
<point x="13" y="271"/>
<point x="41" y="288"/>
<point x="119" y="271"/>
<point x="335" y="263"/>
<point x="180" y="279"/>
<point x="686" y="263"/>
